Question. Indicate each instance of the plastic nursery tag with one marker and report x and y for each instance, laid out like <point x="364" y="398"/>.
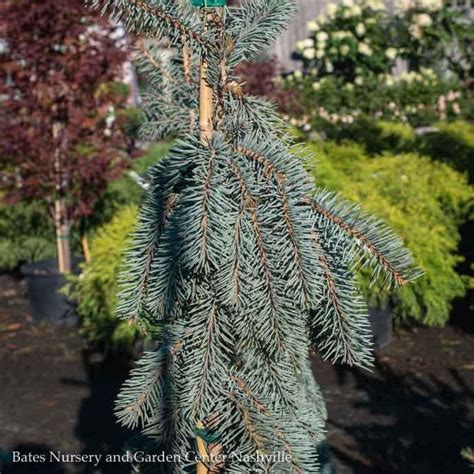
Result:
<point x="209" y="3"/>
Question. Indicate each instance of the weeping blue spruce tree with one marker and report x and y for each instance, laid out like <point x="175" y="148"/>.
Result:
<point x="239" y="265"/>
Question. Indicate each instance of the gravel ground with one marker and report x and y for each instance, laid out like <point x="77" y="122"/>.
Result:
<point x="412" y="414"/>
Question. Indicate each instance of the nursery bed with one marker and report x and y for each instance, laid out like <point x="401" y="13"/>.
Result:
<point x="414" y="413"/>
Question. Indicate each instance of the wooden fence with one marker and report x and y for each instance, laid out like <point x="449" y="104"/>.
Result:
<point x="285" y="45"/>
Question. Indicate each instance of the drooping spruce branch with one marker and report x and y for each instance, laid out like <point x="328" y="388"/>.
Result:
<point x="366" y="239"/>
<point x="339" y="327"/>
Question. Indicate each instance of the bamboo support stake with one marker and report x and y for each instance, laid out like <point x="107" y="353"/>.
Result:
<point x="186" y="53"/>
<point x="206" y="130"/>
<point x="202" y="451"/>
<point x="205" y="105"/>
<point x="86" y="251"/>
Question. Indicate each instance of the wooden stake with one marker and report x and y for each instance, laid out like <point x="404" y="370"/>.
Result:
<point x="206" y="130"/>
<point x="205" y="95"/>
<point x="202" y="451"/>
<point x="205" y="105"/>
<point x="186" y="52"/>
<point x="86" y="248"/>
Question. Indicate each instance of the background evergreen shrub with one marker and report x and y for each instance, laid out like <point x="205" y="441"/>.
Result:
<point x="26" y="234"/>
<point x="452" y="143"/>
<point x="96" y="288"/>
<point x="424" y="202"/>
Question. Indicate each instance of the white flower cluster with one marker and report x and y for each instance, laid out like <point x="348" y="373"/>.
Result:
<point x="428" y="5"/>
<point x="418" y="23"/>
<point x="391" y="53"/>
<point x="343" y="34"/>
<point x="317" y="47"/>
<point x="364" y="49"/>
<point x="347" y="118"/>
<point x="347" y="9"/>
<point x="426" y="77"/>
<point x="303" y="122"/>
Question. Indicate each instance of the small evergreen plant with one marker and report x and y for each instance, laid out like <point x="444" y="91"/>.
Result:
<point x="239" y="264"/>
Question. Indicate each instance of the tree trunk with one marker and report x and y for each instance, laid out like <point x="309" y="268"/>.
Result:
<point x="62" y="236"/>
<point x="61" y="221"/>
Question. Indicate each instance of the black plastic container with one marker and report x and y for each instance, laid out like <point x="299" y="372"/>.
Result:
<point x="381" y="325"/>
<point x="47" y="303"/>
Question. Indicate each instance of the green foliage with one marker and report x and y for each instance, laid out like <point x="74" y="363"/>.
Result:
<point x="125" y="190"/>
<point x="452" y="143"/>
<point x="96" y="288"/>
<point x="26" y="234"/>
<point x="419" y="99"/>
<point x="350" y="55"/>
<point x="432" y="33"/>
<point x="376" y="136"/>
<point x="424" y="202"/>
<point x="130" y="120"/>
<point x="449" y="142"/>
<point x="356" y="40"/>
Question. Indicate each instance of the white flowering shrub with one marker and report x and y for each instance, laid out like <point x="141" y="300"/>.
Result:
<point x="433" y="34"/>
<point x="349" y="58"/>
<point x="417" y="98"/>
<point x="351" y="41"/>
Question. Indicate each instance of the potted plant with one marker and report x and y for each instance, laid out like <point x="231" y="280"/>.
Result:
<point x="59" y="96"/>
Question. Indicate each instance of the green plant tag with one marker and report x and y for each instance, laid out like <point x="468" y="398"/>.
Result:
<point x="209" y="3"/>
<point x="207" y="436"/>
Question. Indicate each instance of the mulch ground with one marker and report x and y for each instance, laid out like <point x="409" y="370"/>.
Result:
<point x="412" y="414"/>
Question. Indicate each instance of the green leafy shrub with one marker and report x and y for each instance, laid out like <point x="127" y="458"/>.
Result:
<point x="349" y="57"/>
<point x="424" y="202"/>
<point x="452" y="143"/>
<point x="95" y="289"/>
<point x="431" y="33"/>
<point x="377" y="136"/>
<point x="418" y="99"/>
<point x="26" y="235"/>
<point x="449" y="142"/>
<point x="355" y="40"/>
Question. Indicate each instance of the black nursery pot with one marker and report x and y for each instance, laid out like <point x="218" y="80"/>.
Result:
<point x="43" y="282"/>
<point x="381" y="325"/>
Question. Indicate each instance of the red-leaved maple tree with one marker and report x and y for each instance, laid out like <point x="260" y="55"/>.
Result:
<point x="60" y="91"/>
